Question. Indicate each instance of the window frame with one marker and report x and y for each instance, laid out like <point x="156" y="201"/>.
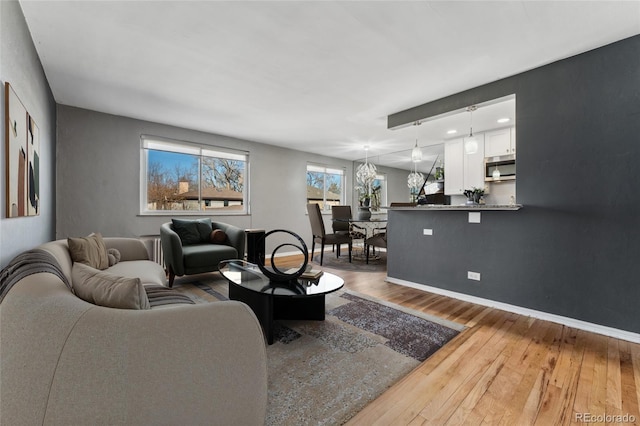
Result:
<point x="332" y="170"/>
<point x="158" y="143"/>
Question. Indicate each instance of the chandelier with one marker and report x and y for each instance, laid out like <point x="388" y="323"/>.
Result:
<point x="415" y="180"/>
<point x="366" y="172"/>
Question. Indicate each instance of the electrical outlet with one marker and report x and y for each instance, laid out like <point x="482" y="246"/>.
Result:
<point x="473" y="275"/>
<point x="427" y="231"/>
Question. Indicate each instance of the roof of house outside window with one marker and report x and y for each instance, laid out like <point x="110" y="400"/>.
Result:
<point x="314" y="193"/>
<point x="214" y="194"/>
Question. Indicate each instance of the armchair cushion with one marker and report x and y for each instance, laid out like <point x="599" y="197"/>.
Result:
<point x="105" y="289"/>
<point x="203" y="256"/>
<point x="193" y="231"/>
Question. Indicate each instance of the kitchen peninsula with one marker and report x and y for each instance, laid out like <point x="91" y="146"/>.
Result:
<point x="564" y="256"/>
<point x="467" y="249"/>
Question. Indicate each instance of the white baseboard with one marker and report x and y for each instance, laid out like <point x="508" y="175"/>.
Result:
<point x="569" y="322"/>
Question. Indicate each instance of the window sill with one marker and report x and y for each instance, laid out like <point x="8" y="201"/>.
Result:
<point x="181" y="213"/>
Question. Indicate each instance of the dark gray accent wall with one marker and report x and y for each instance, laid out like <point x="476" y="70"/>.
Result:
<point x="20" y="66"/>
<point x="574" y="249"/>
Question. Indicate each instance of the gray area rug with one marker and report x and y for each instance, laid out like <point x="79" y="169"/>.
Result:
<point x="358" y="262"/>
<point x="324" y="372"/>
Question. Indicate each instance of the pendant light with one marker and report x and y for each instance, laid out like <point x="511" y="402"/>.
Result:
<point x="496" y="174"/>
<point x="470" y="142"/>
<point x="366" y="172"/>
<point x="415" y="179"/>
<point x="416" y="152"/>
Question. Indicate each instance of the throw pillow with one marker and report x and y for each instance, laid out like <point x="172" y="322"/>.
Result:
<point x="192" y="231"/>
<point x="218" y="236"/>
<point x="114" y="256"/>
<point x="89" y="250"/>
<point x="105" y="289"/>
<point x="204" y="229"/>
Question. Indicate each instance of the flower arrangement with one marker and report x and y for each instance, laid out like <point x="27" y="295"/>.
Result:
<point x="369" y="196"/>
<point x="473" y="195"/>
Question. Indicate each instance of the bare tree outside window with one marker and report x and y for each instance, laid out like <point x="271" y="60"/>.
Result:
<point x="315" y="179"/>
<point x="222" y="173"/>
<point x="162" y="191"/>
<point x="169" y="182"/>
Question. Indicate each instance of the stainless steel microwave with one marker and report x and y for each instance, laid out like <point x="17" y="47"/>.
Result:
<point x="497" y="169"/>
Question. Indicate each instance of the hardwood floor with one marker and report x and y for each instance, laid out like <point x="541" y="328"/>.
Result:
<point x="505" y="369"/>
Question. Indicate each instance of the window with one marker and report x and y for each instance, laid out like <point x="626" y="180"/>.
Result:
<point x="325" y="186"/>
<point x="185" y="177"/>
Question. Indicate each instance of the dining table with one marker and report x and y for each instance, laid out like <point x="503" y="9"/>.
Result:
<point x="361" y="229"/>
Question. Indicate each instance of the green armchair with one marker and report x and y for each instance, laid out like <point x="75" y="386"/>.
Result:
<point x="197" y="246"/>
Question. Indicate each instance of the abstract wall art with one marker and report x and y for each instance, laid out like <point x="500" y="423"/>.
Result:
<point x="22" y="157"/>
<point x="33" y="168"/>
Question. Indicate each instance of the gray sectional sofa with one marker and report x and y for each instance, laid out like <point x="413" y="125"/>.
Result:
<point x="66" y="361"/>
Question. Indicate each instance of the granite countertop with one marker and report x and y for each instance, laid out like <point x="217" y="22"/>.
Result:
<point x="462" y="207"/>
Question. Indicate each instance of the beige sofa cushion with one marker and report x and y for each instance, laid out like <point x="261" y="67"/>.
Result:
<point x="89" y="250"/>
<point x="105" y="289"/>
<point x="149" y="272"/>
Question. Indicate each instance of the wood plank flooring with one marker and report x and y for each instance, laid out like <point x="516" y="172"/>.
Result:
<point x="504" y="369"/>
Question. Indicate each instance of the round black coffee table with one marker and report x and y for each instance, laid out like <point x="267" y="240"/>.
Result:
<point x="276" y="300"/>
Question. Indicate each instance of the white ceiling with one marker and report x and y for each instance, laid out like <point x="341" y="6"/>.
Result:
<point x="315" y="76"/>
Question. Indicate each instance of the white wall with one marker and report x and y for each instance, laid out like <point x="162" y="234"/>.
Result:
<point x="21" y="68"/>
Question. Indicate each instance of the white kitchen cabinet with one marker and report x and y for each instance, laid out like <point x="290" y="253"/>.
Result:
<point x="500" y="142"/>
<point x="513" y="140"/>
<point x="463" y="171"/>
<point x="453" y="167"/>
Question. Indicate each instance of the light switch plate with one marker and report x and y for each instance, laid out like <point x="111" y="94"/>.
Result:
<point x="474" y="217"/>
<point x="473" y="275"/>
<point x="427" y="231"/>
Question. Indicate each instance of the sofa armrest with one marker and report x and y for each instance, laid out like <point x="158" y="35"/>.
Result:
<point x="236" y="236"/>
<point x="205" y="363"/>
<point x="172" y="249"/>
<point x="129" y="248"/>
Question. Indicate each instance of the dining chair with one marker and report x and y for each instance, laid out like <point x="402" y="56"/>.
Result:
<point x="340" y="216"/>
<point x="320" y="236"/>
<point x="379" y="239"/>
